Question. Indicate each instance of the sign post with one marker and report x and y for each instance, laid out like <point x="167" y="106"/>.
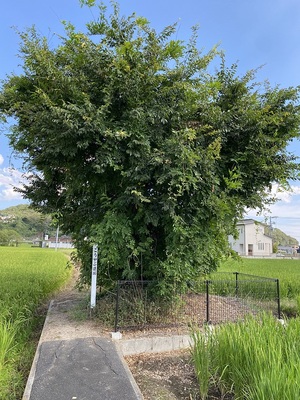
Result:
<point x="94" y="275"/>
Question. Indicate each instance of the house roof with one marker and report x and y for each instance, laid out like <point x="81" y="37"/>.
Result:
<point x="65" y="239"/>
<point x="251" y="221"/>
<point x="248" y="222"/>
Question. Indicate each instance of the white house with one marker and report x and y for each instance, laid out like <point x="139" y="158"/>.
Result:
<point x="63" y="242"/>
<point x="252" y="240"/>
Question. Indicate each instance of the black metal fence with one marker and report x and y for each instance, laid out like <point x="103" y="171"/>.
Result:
<point x="223" y="298"/>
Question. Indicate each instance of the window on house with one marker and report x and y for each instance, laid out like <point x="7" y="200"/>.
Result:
<point x="261" y="246"/>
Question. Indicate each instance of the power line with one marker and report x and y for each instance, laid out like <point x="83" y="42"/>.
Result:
<point x="267" y="217"/>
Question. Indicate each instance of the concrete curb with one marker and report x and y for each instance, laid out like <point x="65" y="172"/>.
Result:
<point x="134" y="385"/>
<point x="28" y="387"/>
<point x="155" y="344"/>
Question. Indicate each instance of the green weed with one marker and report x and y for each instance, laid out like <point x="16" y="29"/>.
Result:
<point x="201" y="358"/>
<point x="259" y="358"/>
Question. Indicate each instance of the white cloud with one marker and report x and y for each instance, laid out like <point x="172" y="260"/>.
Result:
<point x="10" y="178"/>
<point x="1" y="159"/>
<point x="10" y="194"/>
<point x="285" y="195"/>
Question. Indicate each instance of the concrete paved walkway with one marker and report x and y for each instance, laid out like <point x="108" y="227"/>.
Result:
<point x="74" y="361"/>
<point x="70" y="364"/>
<point x="82" y="369"/>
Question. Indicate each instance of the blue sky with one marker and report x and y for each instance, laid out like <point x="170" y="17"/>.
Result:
<point x="255" y="33"/>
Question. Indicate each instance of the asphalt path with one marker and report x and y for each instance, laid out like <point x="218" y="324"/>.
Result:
<point x="82" y="369"/>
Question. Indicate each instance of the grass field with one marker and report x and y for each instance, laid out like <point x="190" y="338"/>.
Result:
<point x="286" y="270"/>
<point x="27" y="278"/>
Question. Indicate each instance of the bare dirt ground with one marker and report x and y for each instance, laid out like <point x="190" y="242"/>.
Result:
<point x="169" y="376"/>
<point x="61" y="322"/>
<point x="165" y="376"/>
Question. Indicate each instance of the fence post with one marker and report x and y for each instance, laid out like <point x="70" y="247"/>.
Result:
<point x="236" y="284"/>
<point x="207" y="302"/>
<point x="278" y="299"/>
<point x="117" y="306"/>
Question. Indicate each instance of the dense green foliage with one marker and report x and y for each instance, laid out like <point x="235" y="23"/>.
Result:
<point x="134" y="145"/>
<point x="9" y="237"/>
<point x="27" y="277"/>
<point x="22" y="222"/>
<point x="257" y="359"/>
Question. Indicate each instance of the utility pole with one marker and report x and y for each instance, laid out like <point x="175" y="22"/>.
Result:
<point x="56" y="238"/>
<point x="271" y="232"/>
<point x="271" y="224"/>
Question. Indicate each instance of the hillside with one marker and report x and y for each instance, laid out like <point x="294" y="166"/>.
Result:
<point x="280" y="238"/>
<point x="24" y="223"/>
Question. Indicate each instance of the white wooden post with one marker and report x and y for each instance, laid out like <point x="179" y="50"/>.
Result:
<point x="94" y="275"/>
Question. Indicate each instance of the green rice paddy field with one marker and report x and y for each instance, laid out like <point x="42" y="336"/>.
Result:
<point x="27" y="278"/>
<point x="285" y="269"/>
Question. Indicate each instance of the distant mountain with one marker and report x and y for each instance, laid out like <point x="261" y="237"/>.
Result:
<point x="280" y="238"/>
<point x="25" y="222"/>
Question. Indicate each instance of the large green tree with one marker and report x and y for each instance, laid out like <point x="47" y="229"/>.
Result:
<point x="9" y="237"/>
<point x="134" y="145"/>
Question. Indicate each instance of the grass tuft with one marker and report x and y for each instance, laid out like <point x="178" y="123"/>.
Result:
<point x="259" y="359"/>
